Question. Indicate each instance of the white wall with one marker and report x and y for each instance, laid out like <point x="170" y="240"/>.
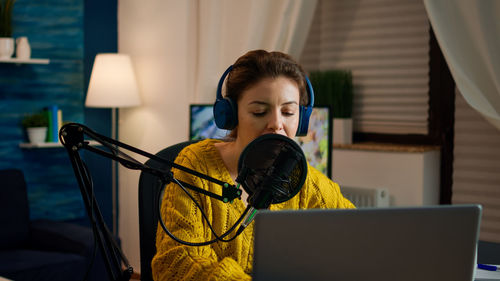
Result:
<point x="159" y="36"/>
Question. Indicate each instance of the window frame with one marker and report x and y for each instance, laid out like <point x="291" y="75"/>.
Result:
<point x="440" y="119"/>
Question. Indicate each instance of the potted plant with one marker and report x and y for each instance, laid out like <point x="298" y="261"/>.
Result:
<point x="36" y="125"/>
<point x="334" y="88"/>
<point x="6" y="40"/>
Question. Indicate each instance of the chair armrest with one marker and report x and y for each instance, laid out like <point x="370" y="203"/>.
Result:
<point x="58" y="236"/>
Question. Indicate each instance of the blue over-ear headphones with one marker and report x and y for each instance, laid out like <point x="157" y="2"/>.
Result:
<point x="226" y="110"/>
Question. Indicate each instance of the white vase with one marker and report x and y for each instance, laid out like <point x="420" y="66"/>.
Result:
<point x="6" y="47"/>
<point x="23" y="49"/>
<point x="342" y="130"/>
<point x="37" y="134"/>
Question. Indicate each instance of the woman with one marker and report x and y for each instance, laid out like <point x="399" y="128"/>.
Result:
<point x="266" y="89"/>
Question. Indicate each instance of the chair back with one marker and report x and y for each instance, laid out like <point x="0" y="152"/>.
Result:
<point x="149" y="185"/>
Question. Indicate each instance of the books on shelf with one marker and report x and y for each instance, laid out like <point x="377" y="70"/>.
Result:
<point x="54" y="116"/>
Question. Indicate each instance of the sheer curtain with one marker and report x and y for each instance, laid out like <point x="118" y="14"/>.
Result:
<point x="227" y="29"/>
<point x="468" y="32"/>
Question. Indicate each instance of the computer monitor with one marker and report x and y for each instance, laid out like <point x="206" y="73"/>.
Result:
<point x="316" y="145"/>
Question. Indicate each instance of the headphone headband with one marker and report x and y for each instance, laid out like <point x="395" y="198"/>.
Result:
<point x="221" y="82"/>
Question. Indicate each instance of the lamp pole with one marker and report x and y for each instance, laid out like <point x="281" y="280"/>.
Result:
<point x="114" y="173"/>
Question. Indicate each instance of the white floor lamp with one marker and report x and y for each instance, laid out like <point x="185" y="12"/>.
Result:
<point x="113" y="85"/>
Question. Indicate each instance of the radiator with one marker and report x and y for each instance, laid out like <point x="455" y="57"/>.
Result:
<point x="366" y="197"/>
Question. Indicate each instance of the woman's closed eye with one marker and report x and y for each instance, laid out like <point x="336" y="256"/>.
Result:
<point x="259" y="113"/>
<point x="287" y="113"/>
<point x="289" y="110"/>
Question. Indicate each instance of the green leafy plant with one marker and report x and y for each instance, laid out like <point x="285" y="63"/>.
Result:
<point x="333" y="88"/>
<point x="6" y="7"/>
<point x="35" y="120"/>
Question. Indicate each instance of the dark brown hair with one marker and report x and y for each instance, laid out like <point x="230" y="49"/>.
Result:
<point x="256" y="65"/>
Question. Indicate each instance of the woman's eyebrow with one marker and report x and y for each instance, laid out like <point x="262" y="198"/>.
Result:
<point x="265" y="103"/>
<point x="289" y="102"/>
<point x="258" y="102"/>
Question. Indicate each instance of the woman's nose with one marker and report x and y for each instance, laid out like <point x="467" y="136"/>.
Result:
<point x="275" y="122"/>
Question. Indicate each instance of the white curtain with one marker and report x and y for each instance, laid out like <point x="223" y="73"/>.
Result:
<point x="229" y="28"/>
<point x="468" y="32"/>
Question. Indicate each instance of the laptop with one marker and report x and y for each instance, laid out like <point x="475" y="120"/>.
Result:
<point x="397" y="243"/>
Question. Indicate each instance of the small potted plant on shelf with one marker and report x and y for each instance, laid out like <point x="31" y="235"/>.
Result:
<point x="6" y="40"/>
<point x="335" y="89"/>
<point x="36" y="125"/>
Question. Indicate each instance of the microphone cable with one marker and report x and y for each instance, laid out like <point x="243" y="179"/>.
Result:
<point x="272" y="173"/>
<point x="217" y="237"/>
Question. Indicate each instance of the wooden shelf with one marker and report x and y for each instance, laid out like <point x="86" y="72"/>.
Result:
<point x="387" y="147"/>
<point x="25" y="61"/>
<point x="48" y="144"/>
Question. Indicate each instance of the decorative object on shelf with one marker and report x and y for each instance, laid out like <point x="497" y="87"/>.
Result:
<point x="334" y="88"/>
<point x="113" y="85"/>
<point x="23" y="49"/>
<point x="6" y="40"/>
<point x="36" y="127"/>
<point x="6" y="47"/>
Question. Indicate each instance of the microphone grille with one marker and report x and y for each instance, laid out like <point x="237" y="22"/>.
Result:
<point x="275" y="163"/>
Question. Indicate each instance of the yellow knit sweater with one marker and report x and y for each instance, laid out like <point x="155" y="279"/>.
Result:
<point x="219" y="261"/>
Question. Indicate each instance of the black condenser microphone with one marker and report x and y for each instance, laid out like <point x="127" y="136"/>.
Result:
<point x="272" y="169"/>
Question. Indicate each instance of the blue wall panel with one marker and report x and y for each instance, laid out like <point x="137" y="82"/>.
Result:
<point x="100" y="36"/>
<point x="55" y="31"/>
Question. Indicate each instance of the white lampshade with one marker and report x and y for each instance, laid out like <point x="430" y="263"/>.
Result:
<point x="112" y="82"/>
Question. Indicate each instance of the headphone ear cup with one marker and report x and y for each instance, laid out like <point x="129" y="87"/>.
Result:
<point x="225" y="114"/>
<point x="225" y="110"/>
<point x="305" y="114"/>
<point x="305" y="111"/>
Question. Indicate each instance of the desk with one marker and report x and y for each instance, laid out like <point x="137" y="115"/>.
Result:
<point x="486" y="275"/>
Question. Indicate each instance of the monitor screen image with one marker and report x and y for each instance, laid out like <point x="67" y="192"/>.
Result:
<point x="316" y="145"/>
<point x="202" y="123"/>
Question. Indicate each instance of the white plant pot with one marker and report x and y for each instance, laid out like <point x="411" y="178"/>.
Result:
<point x="37" y="134"/>
<point x="6" y="47"/>
<point x="342" y="130"/>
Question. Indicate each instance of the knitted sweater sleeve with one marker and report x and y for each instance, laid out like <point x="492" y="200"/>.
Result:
<point x="175" y="261"/>
<point x="321" y="192"/>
